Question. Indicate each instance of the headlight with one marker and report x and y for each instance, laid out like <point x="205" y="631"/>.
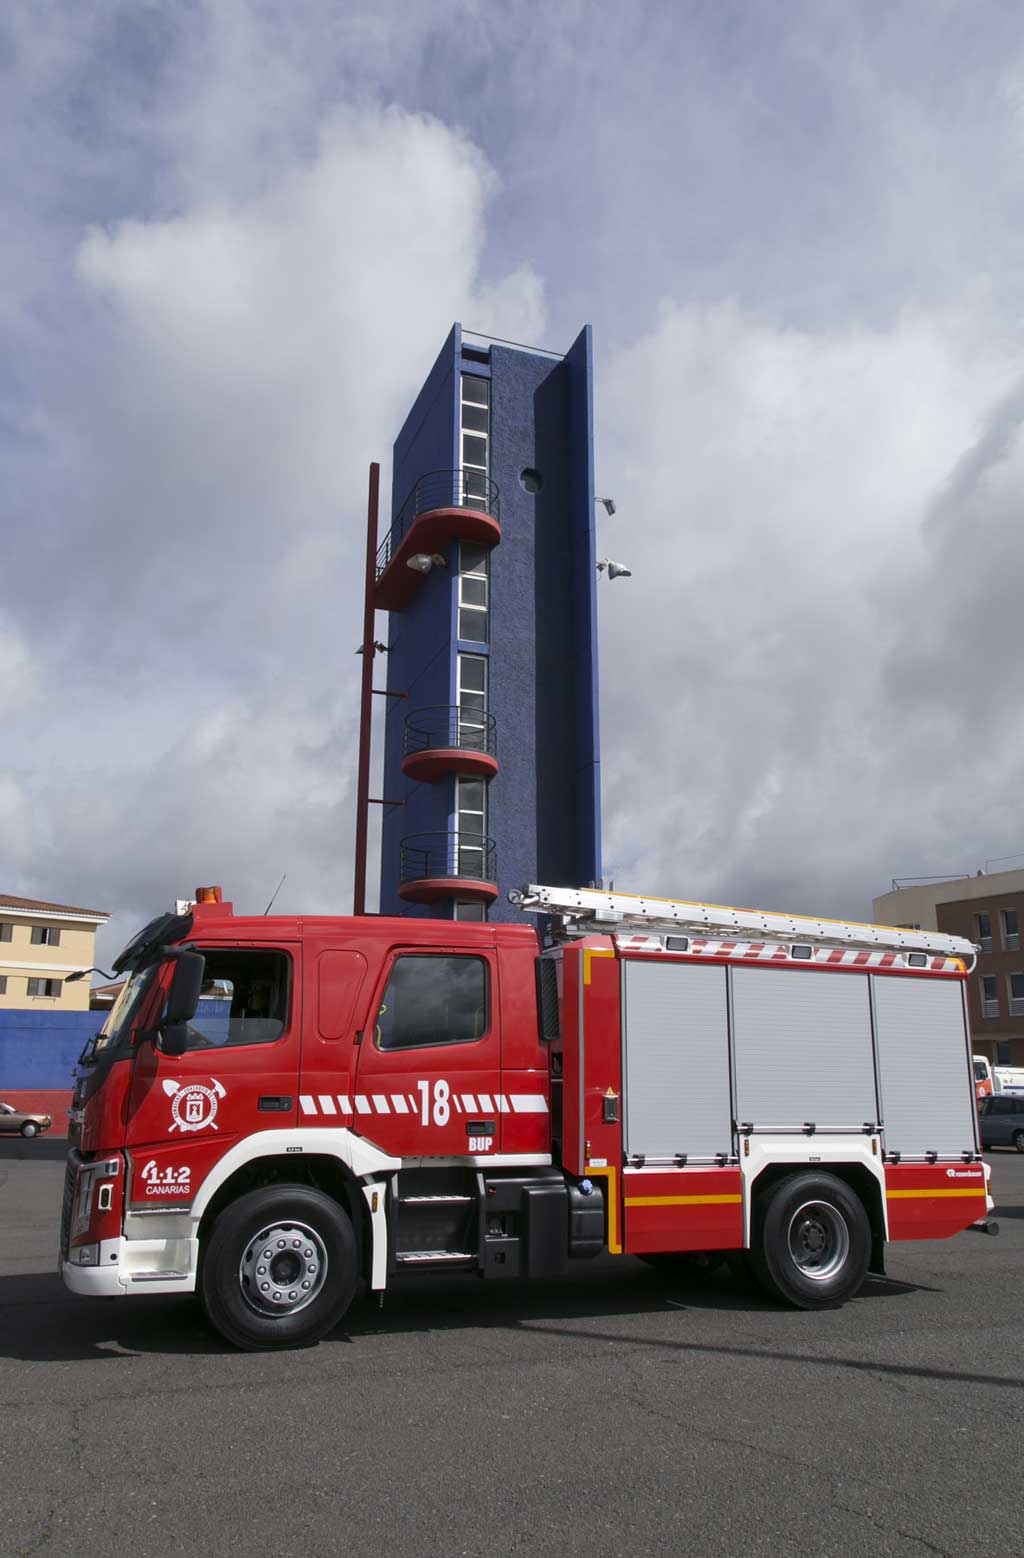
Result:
<point x="85" y="1255"/>
<point x="83" y="1205"/>
<point x="87" y="1179"/>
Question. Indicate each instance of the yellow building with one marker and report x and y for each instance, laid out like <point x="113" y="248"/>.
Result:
<point x="40" y="945"/>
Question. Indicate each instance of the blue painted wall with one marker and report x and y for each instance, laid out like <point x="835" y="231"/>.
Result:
<point x="544" y="804"/>
<point x="38" y="1050"/>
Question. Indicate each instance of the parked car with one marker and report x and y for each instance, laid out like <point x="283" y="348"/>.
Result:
<point x="18" y="1121"/>
<point x="1002" y="1121"/>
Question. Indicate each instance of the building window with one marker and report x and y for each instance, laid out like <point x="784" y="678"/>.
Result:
<point x="3" y="984"/>
<point x="473" y="592"/>
<point x="1016" y="983"/>
<point x="6" y="932"/>
<point x="1011" y="930"/>
<point x="45" y="987"/>
<point x="432" y="1000"/>
<point x="46" y="935"/>
<point x="983" y="931"/>
<point x="471" y="827"/>
<point x="474" y="436"/>
<point x="470" y="911"/>
<point x="471" y="697"/>
<point x="1003" y="1053"/>
<point x="989" y="996"/>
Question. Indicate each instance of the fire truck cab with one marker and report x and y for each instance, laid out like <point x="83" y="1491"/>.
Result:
<point x="280" y="1111"/>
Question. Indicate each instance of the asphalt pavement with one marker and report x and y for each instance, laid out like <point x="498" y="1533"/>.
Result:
<point x="612" y="1412"/>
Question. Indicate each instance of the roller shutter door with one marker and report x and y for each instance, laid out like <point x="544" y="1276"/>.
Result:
<point x="676" y="1039"/>
<point x="925" y="1072"/>
<point x="803" y="1049"/>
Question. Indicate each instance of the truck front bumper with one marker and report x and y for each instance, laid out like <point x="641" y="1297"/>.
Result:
<point x="135" y="1266"/>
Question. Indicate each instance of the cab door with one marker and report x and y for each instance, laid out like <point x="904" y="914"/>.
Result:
<point x="239" y="1074"/>
<point x="429" y="1066"/>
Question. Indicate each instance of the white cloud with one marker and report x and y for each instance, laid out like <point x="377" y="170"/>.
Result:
<point x="18" y="679"/>
<point x="225" y="266"/>
<point x="247" y="357"/>
<point x="789" y="676"/>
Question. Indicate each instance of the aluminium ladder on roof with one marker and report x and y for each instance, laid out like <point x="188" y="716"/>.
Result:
<point x="623" y="911"/>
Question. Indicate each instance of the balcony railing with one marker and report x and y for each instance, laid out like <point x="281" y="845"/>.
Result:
<point x="450" y="726"/>
<point x="439" y="490"/>
<point x="459" y="856"/>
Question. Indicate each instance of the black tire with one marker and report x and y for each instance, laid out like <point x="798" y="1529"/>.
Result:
<point x="30" y="1129"/>
<point x="811" y="1241"/>
<point x="310" y="1242"/>
<point x="1018" y="1140"/>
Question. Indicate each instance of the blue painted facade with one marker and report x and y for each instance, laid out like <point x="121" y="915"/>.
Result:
<point x="544" y="803"/>
<point x="38" y="1050"/>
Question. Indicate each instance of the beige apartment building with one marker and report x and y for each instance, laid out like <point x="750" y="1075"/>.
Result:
<point x="40" y="945"/>
<point x="988" y="910"/>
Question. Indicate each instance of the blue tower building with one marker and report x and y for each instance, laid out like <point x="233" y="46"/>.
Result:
<point x="488" y="573"/>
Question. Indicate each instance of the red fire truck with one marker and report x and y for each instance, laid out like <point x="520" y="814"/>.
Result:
<point x="279" y="1111"/>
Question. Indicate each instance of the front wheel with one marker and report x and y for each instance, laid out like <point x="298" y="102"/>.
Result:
<point x="1018" y="1140"/>
<point x="30" y="1129"/>
<point x="812" y="1241"/>
<point x="280" y="1268"/>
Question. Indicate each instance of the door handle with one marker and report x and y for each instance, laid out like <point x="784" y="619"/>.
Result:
<point x="481" y="1127"/>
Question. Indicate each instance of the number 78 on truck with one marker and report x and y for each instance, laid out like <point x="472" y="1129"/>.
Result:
<point x="282" y="1111"/>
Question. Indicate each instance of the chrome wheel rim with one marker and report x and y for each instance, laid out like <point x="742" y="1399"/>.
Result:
<point x="282" y="1269"/>
<point x="818" y="1240"/>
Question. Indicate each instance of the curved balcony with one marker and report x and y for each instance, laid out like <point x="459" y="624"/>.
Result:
<point x="448" y="739"/>
<point x="443" y="506"/>
<point x="447" y="865"/>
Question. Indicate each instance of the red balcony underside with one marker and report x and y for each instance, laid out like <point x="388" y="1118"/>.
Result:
<point x="435" y="762"/>
<point x="429" y="889"/>
<point x="430" y="532"/>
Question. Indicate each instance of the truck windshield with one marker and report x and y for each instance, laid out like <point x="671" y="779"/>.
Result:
<point x="116" y="1031"/>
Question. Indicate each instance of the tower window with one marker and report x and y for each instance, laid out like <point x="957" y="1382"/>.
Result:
<point x="471" y="695"/>
<point x="473" y="592"/>
<point x="474" y="434"/>
<point x="471" y="826"/>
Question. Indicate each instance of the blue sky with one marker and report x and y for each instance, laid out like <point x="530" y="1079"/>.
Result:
<point x="232" y="238"/>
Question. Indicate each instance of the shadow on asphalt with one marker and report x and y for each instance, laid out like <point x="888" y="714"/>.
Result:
<point x="40" y="1321"/>
<point x="50" y="1148"/>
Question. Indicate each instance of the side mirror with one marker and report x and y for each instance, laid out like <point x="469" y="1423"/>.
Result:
<point x="182" y="1000"/>
<point x="173" y="1038"/>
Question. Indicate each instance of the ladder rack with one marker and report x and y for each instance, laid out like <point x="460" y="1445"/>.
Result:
<point x="592" y="909"/>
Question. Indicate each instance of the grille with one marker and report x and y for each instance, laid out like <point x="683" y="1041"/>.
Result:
<point x="70" y="1179"/>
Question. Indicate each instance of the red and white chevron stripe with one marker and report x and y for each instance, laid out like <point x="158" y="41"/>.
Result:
<point x="328" y="1105"/>
<point x="776" y="952"/>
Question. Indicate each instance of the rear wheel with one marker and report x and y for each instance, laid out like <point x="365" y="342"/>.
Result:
<point x="811" y="1245"/>
<point x="30" y="1128"/>
<point x="1018" y="1140"/>
<point x="280" y="1268"/>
